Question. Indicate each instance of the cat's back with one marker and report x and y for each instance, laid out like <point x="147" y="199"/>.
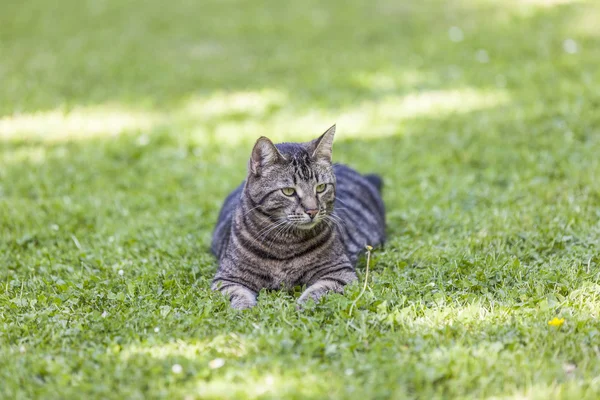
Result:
<point x="359" y="209"/>
<point x="222" y="230"/>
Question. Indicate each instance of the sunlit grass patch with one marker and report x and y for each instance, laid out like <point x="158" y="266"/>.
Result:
<point x="549" y="3"/>
<point x="242" y="117"/>
<point x="265" y="384"/>
<point x="75" y="124"/>
<point x="229" y="105"/>
<point x="222" y="345"/>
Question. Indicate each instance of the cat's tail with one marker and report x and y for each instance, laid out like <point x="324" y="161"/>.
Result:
<point x="375" y="180"/>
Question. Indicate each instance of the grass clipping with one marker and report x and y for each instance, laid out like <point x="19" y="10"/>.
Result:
<point x="369" y="249"/>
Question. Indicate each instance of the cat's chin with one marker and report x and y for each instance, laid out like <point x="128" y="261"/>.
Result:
<point x="307" y="225"/>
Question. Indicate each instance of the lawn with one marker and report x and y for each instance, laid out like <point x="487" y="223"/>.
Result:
<point x="123" y="125"/>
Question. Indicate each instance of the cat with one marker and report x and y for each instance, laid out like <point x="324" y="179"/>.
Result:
<point x="297" y="219"/>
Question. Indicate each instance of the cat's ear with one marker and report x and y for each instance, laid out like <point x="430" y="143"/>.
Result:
<point x="264" y="154"/>
<point x="322" y="147"/>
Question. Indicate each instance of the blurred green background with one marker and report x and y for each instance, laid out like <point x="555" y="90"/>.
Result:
<point x="123" y="125"/>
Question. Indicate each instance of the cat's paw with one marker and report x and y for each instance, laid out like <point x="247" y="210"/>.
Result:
<point x="240" y="297"/>
<point x="323" y="286"/>
<point x="312" y="293"/>
<point x="243" y="301"/>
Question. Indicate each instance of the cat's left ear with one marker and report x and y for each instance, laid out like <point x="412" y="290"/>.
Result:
<point x="264" y="154"/>
<point x="322" y="147"/>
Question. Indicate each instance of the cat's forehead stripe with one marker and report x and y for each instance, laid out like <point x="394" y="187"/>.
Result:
<point x="300" y="162"/>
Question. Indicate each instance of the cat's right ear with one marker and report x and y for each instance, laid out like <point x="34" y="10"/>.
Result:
<point x="321" y="147"/>
<point x="264" y="154"/>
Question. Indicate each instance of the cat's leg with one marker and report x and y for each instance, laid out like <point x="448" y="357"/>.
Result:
<point x="241" y="297"/>
<point x="333" y="281"/>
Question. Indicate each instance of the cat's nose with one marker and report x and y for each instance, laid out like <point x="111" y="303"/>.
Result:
<point x="312" y="213"/>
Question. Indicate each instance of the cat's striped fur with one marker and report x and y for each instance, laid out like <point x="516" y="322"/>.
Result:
<point x="266" y="238"/>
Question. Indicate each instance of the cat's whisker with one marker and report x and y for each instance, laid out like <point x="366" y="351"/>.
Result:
<point x="250" y="210"/>
<point x="273" y="227"/>
<point x="340" y="200"/>
<point x="280" y="232"/>
<point x="258" y="234"/>
<point x="264" y="235"/>
<point x="338" y="219"/>
<point x="342" y="208"/>
<point x="331" y="221"/>
<point x="339" y="223"/>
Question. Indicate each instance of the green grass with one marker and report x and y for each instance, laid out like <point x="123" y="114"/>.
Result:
<point x="123" y="125"/>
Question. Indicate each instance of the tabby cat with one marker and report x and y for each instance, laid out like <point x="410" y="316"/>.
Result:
<point x="298" y="219"/>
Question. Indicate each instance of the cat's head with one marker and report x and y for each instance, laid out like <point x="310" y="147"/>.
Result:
<point x="293" y="182"/>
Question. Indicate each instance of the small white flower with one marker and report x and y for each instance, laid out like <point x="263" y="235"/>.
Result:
<point x="349" y="371"/>
<point x="269" y="380"/>
<point x="569" y="368"/>
<point x="157" y="329"/>
<point x="22" y="349"/>
<point x="177" y="369"/>
<point x="54" y="227"/>
<point x="570" y="46"/>
<point x="216" y="363"/>
<point x="104" y="314"/>
<point x="456" y="34"/>
<point x="482" y="56"/>
<point x="121" y="272"/>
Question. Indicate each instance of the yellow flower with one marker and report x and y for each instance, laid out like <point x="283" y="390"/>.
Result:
<point x="556" y="322"/>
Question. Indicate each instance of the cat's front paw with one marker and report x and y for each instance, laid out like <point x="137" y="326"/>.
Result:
<point x="327" y="284"/>
<point x="240" y="296"/>
<point x="317" y="291"/>
<point x="309" y="294"/>
<point x="242" y="302"/>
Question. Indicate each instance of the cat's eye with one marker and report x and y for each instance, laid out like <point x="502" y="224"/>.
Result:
<point x="288" y="191"/>
<point x="321" y="188"/>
